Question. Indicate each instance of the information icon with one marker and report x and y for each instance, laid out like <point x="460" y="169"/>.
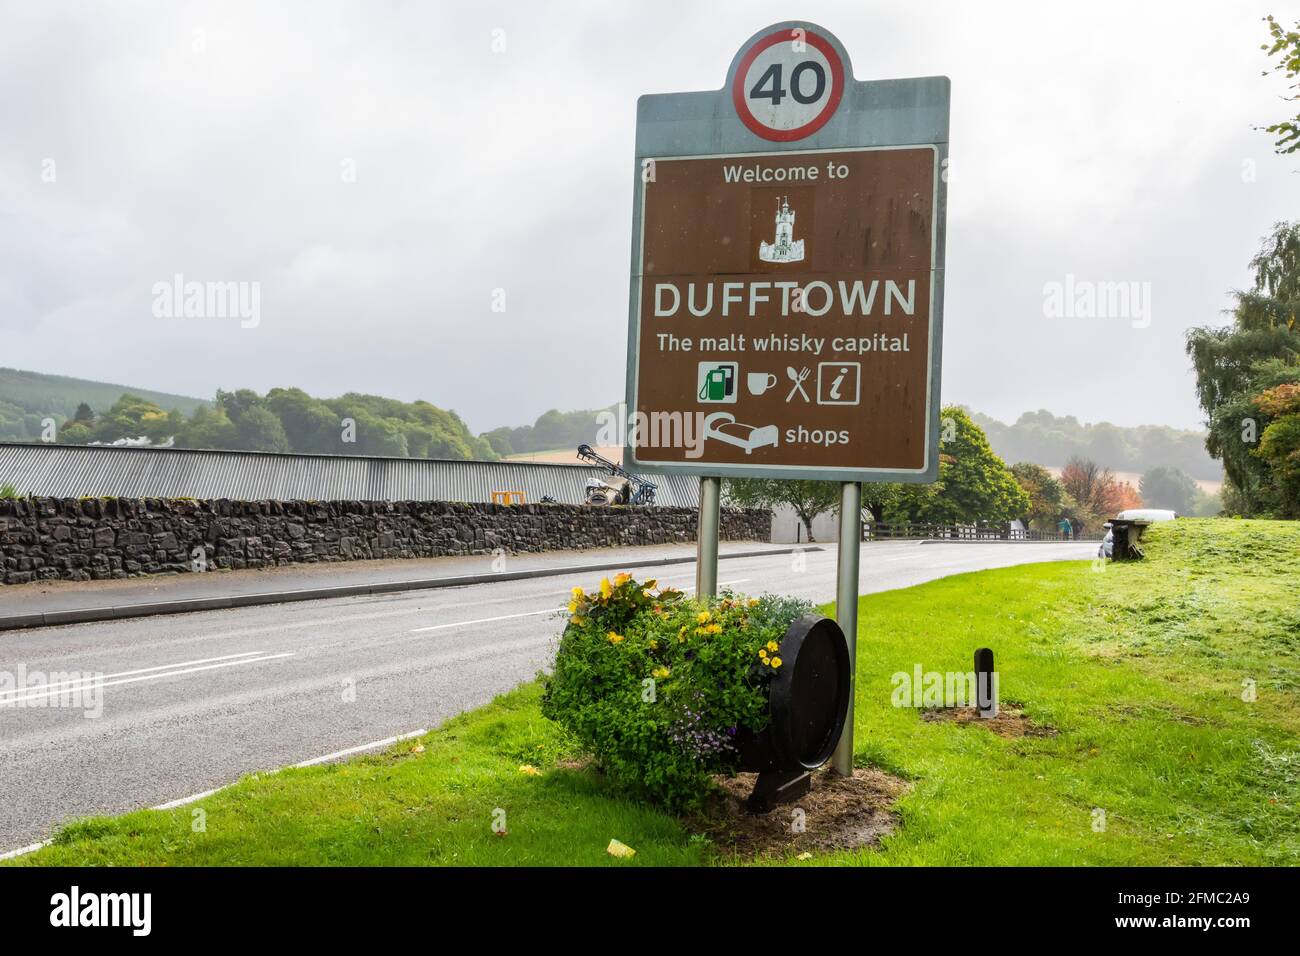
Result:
<point x="839" y="383"/>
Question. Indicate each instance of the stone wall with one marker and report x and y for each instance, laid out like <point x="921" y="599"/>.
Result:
<point x="79" y="539"/>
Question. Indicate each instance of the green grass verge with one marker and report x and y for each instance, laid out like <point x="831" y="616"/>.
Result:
<point x="1139" y="668"/>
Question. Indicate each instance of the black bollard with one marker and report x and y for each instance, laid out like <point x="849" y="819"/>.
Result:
<point x="986" y="696"/>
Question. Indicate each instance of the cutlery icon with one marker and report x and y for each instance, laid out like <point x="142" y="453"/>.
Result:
<point x="798" y="378"/>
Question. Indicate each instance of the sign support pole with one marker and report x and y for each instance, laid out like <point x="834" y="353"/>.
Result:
<point x="706" y="547"/>
<point x="846" y="609"/>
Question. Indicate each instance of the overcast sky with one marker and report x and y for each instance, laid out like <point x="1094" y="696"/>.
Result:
<point x="1108" y="141"/>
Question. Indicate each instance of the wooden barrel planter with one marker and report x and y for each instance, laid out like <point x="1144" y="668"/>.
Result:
<point x="808" y="699"/>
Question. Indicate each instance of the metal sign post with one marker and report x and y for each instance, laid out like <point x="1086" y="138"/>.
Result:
<point x="846" y="608"/>
<point x="706" y="548"/>
<point x="785" y="309"/>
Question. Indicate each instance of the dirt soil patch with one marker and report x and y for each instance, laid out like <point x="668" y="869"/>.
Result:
<point x="837" y="813"/>
<point x="1009" y="722"/>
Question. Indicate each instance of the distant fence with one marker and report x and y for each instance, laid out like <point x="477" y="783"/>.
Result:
<point x="873" y="531"/>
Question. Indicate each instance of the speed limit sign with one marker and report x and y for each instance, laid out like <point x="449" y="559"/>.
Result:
<point x="788" y="84"/>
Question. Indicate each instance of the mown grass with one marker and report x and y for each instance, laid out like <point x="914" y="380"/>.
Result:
<point x="1140" y="669"/>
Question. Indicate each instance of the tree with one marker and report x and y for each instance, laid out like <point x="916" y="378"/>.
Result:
<point x="879" y="498"/>
<point x="1286" y="47"/>
<point x="1107" y="444"/>
<point x="131" y="417"/>
<point x="808" y="498"/>
<point x="1279" y="447"/>
<point x="1206" y="505"/>
<point x="76" y="433"/>
<point x="1093" y="487"/>
<point x="974" y="485"/>
<point x="208" y="428"/>
<point x="1127" y="496"/>
<point x="85" y="415"/>
<point x="258" y="429"/>
<point x="1234" y="364"/>
<point x="1169" y="487"/>
<point x="235" y="404"/>
<point x="310" y="425"/>
<point x="499" y="439"/>
<point x="1047" y="497"/>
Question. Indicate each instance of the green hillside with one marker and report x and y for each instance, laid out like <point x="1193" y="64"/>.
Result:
<point x="282" y="420"/>
<point x="24" y="395"/>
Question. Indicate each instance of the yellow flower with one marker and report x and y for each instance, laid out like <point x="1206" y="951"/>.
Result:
<point x="529" y="770"/>
<point x="654" y="645"/>
<point x="614" y="638"/>
<point x="776" y="662"/>
<point x="772" y="646"/>
<point x="621" y="578"/>
<point x="573" y="606"/>
<point x="702" y="617"/>
<point x="577" y="620"/>
<point x="714" y="628"/>
<point x="577" y="594"/>
<point x="605" y="589"/>
<point x="660" y="672"/>
<point x="649" y="584"/>
<point x="753" y="602"/>
<point x="681" y="635"/>
<point x="762" y="652"/>
<point x="765" y="662"/>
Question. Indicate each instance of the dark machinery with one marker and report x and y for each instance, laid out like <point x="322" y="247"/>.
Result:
<point x="632" y="490"/>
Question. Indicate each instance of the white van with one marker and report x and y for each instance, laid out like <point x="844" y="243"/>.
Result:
<point x="1147" y="514"/>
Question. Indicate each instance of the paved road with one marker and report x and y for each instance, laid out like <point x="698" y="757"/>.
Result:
<point x="193" y="701"/>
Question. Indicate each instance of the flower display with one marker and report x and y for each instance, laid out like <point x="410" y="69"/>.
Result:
<point x="657" y="686"/>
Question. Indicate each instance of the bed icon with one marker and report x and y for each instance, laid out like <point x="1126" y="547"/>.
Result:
<point x="724" y="427"/>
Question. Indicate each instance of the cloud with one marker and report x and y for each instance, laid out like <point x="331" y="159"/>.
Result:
<point x="217" y="140"/>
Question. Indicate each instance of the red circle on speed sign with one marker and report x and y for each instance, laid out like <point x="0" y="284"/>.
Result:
<point x="788" y="84"/>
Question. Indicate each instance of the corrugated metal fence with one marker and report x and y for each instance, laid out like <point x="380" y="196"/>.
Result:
<point x="93" y="470"/>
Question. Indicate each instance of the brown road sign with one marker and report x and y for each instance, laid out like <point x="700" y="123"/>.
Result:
<point x="785" y="306"/>
<point x="787" y="270"/>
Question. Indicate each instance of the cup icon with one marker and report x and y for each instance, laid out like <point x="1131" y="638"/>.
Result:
<point x="759" y="382"/>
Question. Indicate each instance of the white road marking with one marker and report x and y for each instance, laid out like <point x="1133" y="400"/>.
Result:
<point x="142" y="670"/>
<point x="173" y="804"/>
<point x="23" y="850"/>
<point x="508" y="617"/>
<point x="386" y="742"/>
<point x="38" y="693"/>
<point x="195" y="797"/>
<point x="487" y="620"/>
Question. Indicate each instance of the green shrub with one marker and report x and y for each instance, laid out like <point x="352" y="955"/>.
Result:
<point x="8" y="491"/>
<point x="656" y="686"/>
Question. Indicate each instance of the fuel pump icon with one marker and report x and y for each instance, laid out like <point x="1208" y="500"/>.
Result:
<point x="717" y="382"/>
